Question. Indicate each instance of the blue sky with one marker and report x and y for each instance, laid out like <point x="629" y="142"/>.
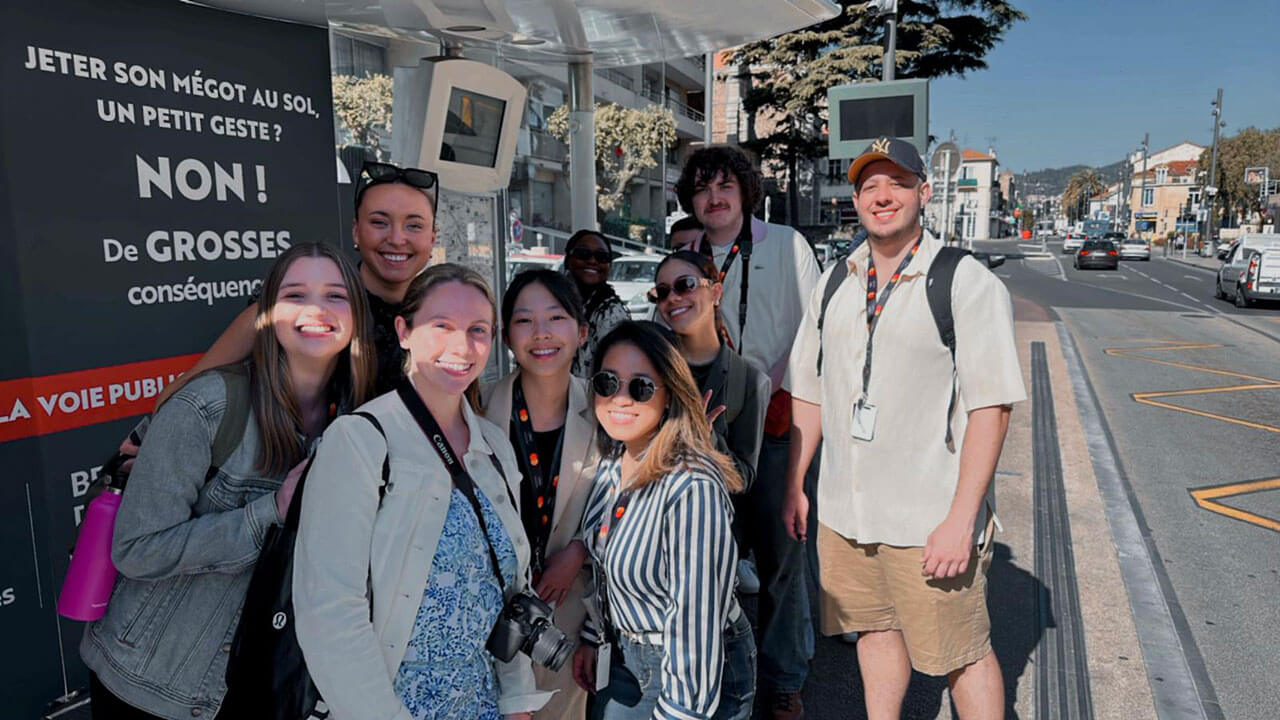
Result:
<point x="1080" y="81"/>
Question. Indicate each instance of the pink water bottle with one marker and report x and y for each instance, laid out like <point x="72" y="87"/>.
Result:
<point x="92" y="575"/>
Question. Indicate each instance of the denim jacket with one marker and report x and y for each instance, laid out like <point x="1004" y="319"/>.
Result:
<point x="185" y="549"/>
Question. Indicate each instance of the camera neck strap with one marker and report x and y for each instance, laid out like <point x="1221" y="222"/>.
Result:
<point x="876" y="302"/>
<point x="742" y="245"/>
<point x="538" y="491"/>
<point x="457" y="471"/>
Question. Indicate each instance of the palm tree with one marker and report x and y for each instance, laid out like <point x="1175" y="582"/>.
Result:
<point x="1080" y="188"/>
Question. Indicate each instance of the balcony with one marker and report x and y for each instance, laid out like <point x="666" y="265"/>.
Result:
<point x="541" y="145"/>
<point x="617" y="77"/>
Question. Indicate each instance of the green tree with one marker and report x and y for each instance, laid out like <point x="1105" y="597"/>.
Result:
<point x="791" y="73"/>
<point x="627" y="143"/>
<point x="1250" y="147"/>
<point x="1080" y="188"/>
<point x="363" y="107"/>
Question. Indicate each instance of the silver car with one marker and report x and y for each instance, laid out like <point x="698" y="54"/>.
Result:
<point x="1132" y="248"/>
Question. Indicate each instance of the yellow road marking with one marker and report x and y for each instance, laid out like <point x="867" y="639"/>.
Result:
<point x="1207" y="498"/>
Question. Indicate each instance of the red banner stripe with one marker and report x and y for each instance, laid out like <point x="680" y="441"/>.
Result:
<point x="52" y="403"/>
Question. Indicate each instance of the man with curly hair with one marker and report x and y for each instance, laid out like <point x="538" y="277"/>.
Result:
<point x="768" y="272"/>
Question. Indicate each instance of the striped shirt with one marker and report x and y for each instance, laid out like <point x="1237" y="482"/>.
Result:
<point x="670" y="562"/>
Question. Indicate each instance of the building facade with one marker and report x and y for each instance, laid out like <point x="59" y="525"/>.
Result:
<point x="974" y="211"/>
<point x="1167" y="200"/>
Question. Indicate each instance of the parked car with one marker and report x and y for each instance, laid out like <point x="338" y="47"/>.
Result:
<point x="1132" y="248"/>
<point x="518" y="263"/>
<point x="1098" y="254"/>
<point x="1225" y="250"/>
<point x="1075" y="240"/>
<point x="631" y="277"/>
<point x="1251" y="271"/>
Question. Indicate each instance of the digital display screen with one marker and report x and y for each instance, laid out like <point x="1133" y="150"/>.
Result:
<point x="864" y="118"/>
<point x="472" y="129"/>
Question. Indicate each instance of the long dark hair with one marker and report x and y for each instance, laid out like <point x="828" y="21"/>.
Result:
<point x="422" y="286"/>
<point x="599" y="295"/>
<point x="684" y="435"/>
<point x="271" y="387"/>
<point x="706" y="267"/>
<point x="564" y="290"/>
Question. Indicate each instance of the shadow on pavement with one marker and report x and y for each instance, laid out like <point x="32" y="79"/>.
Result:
<point x="834" y="690"/>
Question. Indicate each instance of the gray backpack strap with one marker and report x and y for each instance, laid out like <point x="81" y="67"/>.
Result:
<point x="942" y="272"/>
<point x="837" y="276"/>
<point x="231" y="427"/>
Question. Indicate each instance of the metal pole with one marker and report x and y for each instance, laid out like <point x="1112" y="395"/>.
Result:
<point x="1142" y="195"/>
<point x="891" y="43"/>
<point x="582" y="139"/>
<point x="708" y="96"/>
<point x="1213" y="173"/>
<point x="946" y="195"/>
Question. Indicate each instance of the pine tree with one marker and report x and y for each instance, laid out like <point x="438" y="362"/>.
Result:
<point x="791" y="73"/>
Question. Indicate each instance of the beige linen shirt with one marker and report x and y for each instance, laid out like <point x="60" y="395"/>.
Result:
<point x="896" y="488"/>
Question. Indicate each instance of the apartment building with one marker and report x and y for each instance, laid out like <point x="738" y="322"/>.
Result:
<point x="1170" y="198"/>
<point x="975" y="201"/>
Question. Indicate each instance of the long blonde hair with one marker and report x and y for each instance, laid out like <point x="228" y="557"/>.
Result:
<point x="422" y="286"/>
<point x="684" y="436"/>
<point x="271" y="388"/>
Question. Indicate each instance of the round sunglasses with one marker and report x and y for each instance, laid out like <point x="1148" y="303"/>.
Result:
<point x="682" y="286"/>
<point x="606" y="384"/>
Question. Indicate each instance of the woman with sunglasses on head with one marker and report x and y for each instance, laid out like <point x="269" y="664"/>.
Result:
<point x="191" y="525"/>
<point x="687" y="295"/>
<point x="410" y="542"/>
<point x="658" y="527"/>
<point x="588" y="258"/>
<point x="551" y="426"/>
<point x="395" y="233"/>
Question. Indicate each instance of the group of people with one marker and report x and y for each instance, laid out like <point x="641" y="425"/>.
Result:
<point x="611" y="482"/>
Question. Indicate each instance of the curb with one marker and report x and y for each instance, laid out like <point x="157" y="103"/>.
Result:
<point x="1190" y="264"/>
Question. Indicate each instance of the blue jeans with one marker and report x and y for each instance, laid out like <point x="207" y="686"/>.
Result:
<point x="786" y="624"/>
<point x="737" y="681"/>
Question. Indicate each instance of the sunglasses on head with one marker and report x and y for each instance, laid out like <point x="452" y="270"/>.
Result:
<point x="603" y="257"/>
<point x="376" y="173"/>
<point x="606" y="384"/>
<point x="682" y="286"/>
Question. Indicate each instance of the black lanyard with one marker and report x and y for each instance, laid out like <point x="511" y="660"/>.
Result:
<point x="741" y="245"/>
<point x="875" y="304"/>
<point x="457" y="471"/>
<point x="538" y="491"/>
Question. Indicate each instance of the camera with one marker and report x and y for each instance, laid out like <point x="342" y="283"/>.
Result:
<point x="526" y="625"/>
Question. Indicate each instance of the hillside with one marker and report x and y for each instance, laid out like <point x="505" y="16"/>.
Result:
<point x="1052" y="181"/>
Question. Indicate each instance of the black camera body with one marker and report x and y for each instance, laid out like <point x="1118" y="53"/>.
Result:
<point x="527" y="625"/>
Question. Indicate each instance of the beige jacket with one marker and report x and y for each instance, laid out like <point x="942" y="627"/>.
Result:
<point x="348" y="542"/>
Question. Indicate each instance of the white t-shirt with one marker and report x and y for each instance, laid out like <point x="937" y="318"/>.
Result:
<point x="783" y="275"/>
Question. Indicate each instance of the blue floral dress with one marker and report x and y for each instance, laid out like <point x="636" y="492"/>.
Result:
<point x="446" y="672"/>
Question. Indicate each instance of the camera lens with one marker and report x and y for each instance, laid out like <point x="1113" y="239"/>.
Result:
<point x="550" y="647"/>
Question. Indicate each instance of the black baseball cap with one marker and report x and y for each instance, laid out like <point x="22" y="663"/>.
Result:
<point x="899" y="152"/>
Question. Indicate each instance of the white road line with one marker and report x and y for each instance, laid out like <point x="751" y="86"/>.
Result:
<point x="1192" y="297"/>
<point x="1194" y="277"/>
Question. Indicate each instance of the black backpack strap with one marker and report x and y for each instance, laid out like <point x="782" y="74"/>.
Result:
<point x="942" y="272"/>
<point x="837" y="276"/>
<point x="386" y="459"/>
<point x="235" y="417"/>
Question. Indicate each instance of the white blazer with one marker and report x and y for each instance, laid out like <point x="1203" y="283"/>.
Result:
<point x="348" y="542"/>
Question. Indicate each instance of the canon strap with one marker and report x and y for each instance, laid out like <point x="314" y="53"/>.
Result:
<point x="743" y="244"/>
<point x="538" y="491"/>
<point x="875" y="305"/>
<point x="457" y="471"/>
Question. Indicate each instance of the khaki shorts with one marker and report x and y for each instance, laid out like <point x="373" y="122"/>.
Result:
<point x="880" y="587"/>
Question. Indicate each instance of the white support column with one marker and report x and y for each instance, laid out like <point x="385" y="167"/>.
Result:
<point x="582" y="139"/>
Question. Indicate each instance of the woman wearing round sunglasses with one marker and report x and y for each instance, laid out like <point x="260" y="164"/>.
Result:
<point x="658" y="528"/>
<point x="395" y="234"/>
<point x="551" y="426"/>
<point x="588" y="259"/>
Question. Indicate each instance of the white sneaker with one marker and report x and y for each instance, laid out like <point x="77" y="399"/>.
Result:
<point x="748" y="580"/>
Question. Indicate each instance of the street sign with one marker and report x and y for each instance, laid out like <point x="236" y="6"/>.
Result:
<point x="1256" y="175"/>
<point x="862" y="112"/>
<point x="517" y="230"/>
<point x="945" y="160"/>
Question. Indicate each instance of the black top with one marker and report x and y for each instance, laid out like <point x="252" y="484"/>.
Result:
<point x="386" y="344"/>
<point x="701" y="373"/>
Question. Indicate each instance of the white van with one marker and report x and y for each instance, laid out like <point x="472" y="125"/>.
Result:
<point x="1251" y="271"/>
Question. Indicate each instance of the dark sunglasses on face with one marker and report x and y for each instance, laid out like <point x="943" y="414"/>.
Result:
<point x="376" y="173"/>
<point x="683" y="285"/>
<point x="606" y="384"/>
<point x="604" y="257"/>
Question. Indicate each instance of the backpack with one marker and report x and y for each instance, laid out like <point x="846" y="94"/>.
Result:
<point x="938" y="283"/>
<point x="266" y="669"/>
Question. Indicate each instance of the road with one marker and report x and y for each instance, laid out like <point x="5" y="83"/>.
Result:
<point x="1189" y="392"/>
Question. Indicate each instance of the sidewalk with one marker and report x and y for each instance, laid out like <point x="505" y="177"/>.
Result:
<point x="1210" y="264"/>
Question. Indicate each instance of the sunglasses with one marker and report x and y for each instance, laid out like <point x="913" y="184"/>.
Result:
<point x="606" y="384"/>
<point x="604" y="257"/>
<point x="376" y="173"/>
<point x="683" y="285"/>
